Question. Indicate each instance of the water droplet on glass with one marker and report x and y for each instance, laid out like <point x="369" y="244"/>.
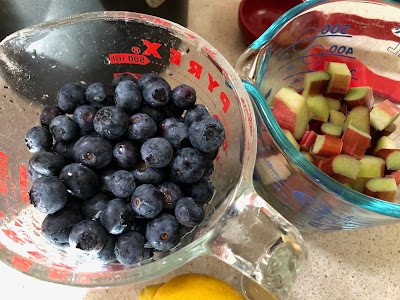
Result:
<point x="34" y="54"/>
<point x="45" y="96"/>
<point x="107" y="61"/>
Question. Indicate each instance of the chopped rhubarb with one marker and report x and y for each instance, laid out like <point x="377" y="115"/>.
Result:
<point x="391" y="157"/>
<point x="307" y="155"/>
<point x="359" y="184"/>
<point x="318" y="108"/>
<point x="371" y="167"/>
<point x="389" y="129"/>
<point x="359" y="118"/>
<point x="381" y="188"/>
<point x="343" y="168"/>
<point x="331" y="129"/>
<point x="355" y="141"/>
<point x="384" y="114"/>
<point x="337" y="117"/>
<point x="384" y="143"/>
<point x="396" y="176"/>
<point x="339" y="81"/>
<point x="334" y="104"/>
<point x="326" y="145"/>
<point x="315" y="125"/>
<point x="308" y="140"/>
<point x="291" y="139"/>
<point x="315" y="83"/>
<point x="359" y="96"/>
<point x="291" y="112"/>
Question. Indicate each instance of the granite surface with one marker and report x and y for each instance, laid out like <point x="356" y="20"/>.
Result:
<point x="361" y="264"/>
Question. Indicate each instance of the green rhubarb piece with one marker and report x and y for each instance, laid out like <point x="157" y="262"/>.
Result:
<point x="385" y="143"/>
<point x="371" y="167"/>
<point x="318" y="107"/>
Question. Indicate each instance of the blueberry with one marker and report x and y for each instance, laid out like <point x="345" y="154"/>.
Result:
<point x="93" y="151"/>
<point x="157" y="152"/>
<point x="146" y="78"/>
<point x="195" y="114"/>
<point x="209" y="168"/>
<point x="64" y="129"/>
<point x="157" y="114"/>
<point x="162" y="127"/>
<point x="117" y="216"/>
<point x="70" y="96"/>
<point x="140" y="225"/>
<point x="187" y="165"/>
<point x="184" y="96"/>
<point x="188" y="212"/>
<point x="126" y="154"/>
<point x="123" y="77"/>
<point x="99" y="94"/>
<point x="122" y="184"/>
<point x="210" y="155"/>
<point x="88" y="236"/>
<point x="146" y="174"/>
<point x="129" y="248"/>
<point x="48" y="194"/>
<point x="38" y="138"/>
<point x="57" y="227"/>
<point x="48" y="114"/>
<point x="110" y="122"/>
<point x="84" y="116"/>
<point x="32" y="174"/>
<point x="47" y="163"/>
<point x="92" y="208"/>
<point x="177" y="135"/>
<point x="207" y="134"/>
<point x="163" y="232"/>
<point x="74" y="204"/>
<point x="172" y="193"/>
<point x="156" y="92"/>
<point x="201" y="191"/>
<point x="173" y="111"/>
<point x="141" y="128"/>
<point x="80" y="181"/>
<point x="147" y="201"/>
<point x="128" y="96"/>
<point x="105" y="179"/>
<point x="66" y="150"/>
<point x="107" y="254"/>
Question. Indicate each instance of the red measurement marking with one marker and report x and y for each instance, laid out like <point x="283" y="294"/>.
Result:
<point x="135" y="50"/>
<point x="125" y="58"/>
<point x="12" y="235"/>
<point x="23" y="184"/>
<point x="36" y="254"/>
<point x="162" y="22"/>
<point x="137" y="75"/>
<point x="1" y="214"/>
<point x="152" y="48"/>
<point x="23" y="264"/>
<point x="58" y="275"/>
<point x="175" y="57"/>
<point x="3" y="173"/>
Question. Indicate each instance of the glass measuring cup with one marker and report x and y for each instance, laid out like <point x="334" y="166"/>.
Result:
<point x="240" y="228"/>
<point x="366" y="36"/>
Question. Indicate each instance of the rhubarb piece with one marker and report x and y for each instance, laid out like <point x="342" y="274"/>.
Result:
<point x="359" y="184"/>
<point x="355" y="141"/>
<point x="326" y="145"/>
<point x="343" y="168"/>
<point x="371" y="167"/>
<point x="334" y="104"/>
<point x="318" y="161"/>
<point x="315" y="83"/>
<point x="384" y="143"/>
<point x="343" y="109"/>
<point x="317" y="157"/>
<point x="359" y="96"/>
<point x="307" y="140"/>
<point x="381" y="188"/>
<point x="331" y="129"/>
<point x="272" y="168"/>
<point x="384" y="114"/>
<point x="291" y="139"/>
<point x="359" y="118"/>
<point x="318" y="108"/>
<point x="389" y="129"/>
<point x="315" y="125"/>
<point x="307" y="155"/>
<point x="290" y="111"/>
<point x="396" y="176"/>
<point x="337" y="117"/>
<point x="340" y="79"/>
<point x="391" y="157"/>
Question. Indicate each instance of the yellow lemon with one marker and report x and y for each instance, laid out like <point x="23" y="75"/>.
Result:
<point x="149" y="291"/>
<point x="196" y="287"/>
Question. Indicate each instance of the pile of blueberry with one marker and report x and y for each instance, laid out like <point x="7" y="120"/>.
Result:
<point x="122" y="169"/>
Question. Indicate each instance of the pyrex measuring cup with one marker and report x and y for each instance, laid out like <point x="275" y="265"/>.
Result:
<point x="240" y="228"/>
<point x="366" y="36"/>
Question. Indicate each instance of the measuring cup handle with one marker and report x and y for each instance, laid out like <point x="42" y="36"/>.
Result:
<point x="255" y="239"/>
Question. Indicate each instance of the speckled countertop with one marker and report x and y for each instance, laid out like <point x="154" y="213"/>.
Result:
<point x="361" y="264"/>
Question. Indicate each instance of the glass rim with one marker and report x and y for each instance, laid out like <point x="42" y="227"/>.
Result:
<point x="339" y="190"/>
